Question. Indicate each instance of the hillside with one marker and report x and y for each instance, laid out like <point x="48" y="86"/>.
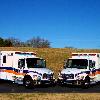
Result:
<point x="54" y="56"/>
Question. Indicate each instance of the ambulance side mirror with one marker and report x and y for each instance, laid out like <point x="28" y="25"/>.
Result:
<point x="21" y="63"/>
<point x="91" y="64"/>
<point x="64" y="66"/>
<point x="65" y="63"/>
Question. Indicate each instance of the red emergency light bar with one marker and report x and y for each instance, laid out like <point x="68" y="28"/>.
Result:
<point x="79" y="54"/>
<point x="25" y="53"/>
<point x="92" y="54"/>
<point x="83" y="54"/>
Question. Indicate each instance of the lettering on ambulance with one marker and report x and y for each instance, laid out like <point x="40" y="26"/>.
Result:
<point x="16" y="71"/>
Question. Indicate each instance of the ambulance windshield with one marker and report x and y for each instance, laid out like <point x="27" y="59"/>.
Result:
<point x="77" y="63"/>
<point x="35" y="63"/>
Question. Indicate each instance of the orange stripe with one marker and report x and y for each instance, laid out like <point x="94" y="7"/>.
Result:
<point x="95" y="73"/>
<point x="11" y="71"/>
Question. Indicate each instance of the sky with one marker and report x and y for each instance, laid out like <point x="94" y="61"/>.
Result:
<point x="65" y="23"/>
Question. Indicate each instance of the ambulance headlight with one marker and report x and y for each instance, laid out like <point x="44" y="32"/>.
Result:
<point x="36" y="77"/>
<point x="78" y="77"/>
<point x="52" y="75"/>
<point x="60" y="76"/>
<point x="39" y="78"/>
<point x="81" y="77"/>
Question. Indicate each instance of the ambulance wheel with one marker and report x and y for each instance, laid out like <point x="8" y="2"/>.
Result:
<point x="87" y="82"/>
<point x="60" y="83"/>
<point x="28" y="82"/>
<point x="53" y="84"/>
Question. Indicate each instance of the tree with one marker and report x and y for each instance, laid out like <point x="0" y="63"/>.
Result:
<point x="45" y="44"/>
<point x="16" y="42"/>
<point x="7" y="43"/>
<point x="1" y="42"/>
<point x="34" y="42"/>
<point x="38" y="43"/>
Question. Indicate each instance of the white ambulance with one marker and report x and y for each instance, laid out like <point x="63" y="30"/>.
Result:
<point x="24" y="68"/>
<point x="81" y="69"/>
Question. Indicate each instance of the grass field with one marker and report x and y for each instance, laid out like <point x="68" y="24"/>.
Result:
<point x="50" y="96"/>
<point x="55" y="58"/>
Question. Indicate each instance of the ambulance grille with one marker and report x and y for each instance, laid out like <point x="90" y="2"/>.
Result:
<point x="47" y="76"/>
<point x="68" y="76"/>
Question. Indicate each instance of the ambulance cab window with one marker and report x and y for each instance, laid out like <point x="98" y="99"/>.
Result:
<point x="4" y="59"/>
<point x="35" y="63"/>
<point x="77" y="63"/>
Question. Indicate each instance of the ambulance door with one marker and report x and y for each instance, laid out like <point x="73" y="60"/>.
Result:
<point x="3" y="69"/>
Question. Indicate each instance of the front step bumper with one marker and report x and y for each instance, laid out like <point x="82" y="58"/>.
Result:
<point x="70" y="82"/>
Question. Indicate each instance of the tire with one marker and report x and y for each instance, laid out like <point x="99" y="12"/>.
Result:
<point x="53" y="84"/>
<point x="28" y="82"/>
<point x="60" y="83"/>
<point x="86" y="82"/>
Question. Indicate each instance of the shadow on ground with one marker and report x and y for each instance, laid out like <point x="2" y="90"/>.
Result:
<point x="8" y="87"/>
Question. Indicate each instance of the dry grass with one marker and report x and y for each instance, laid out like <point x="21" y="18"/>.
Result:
<point x="54" y="58"/>
<point x="50" y="96"/>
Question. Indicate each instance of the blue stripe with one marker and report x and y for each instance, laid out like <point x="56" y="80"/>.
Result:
<point x="18" y="70"/>
<point x="88" y="72"/>
<point x="25" y="71"/>
<point x="35" y="72"/>
<point x="8" y="68"/>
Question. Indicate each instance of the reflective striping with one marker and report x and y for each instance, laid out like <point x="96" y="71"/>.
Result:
<point x="13" y="72"/>
<point x="35" y="72"/>
<point x="16" y="71"/>
<point x="91" y="73"/>
<point x="9" y="68"/>
<point x="97" y="72"/>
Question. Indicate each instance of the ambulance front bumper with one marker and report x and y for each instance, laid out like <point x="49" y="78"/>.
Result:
<point x="48" y="81"/>
<point x="70" y="82"/>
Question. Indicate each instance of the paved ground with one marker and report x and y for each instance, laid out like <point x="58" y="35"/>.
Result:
<point x="7" y="87"/>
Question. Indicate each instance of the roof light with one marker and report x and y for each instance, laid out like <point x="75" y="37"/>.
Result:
<point x="92" y="54"/>
<point x="74" y="54"/>
<point x="17" y="52"/>
<point x="26" y="53"/>
<point x="85" y="54"/>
